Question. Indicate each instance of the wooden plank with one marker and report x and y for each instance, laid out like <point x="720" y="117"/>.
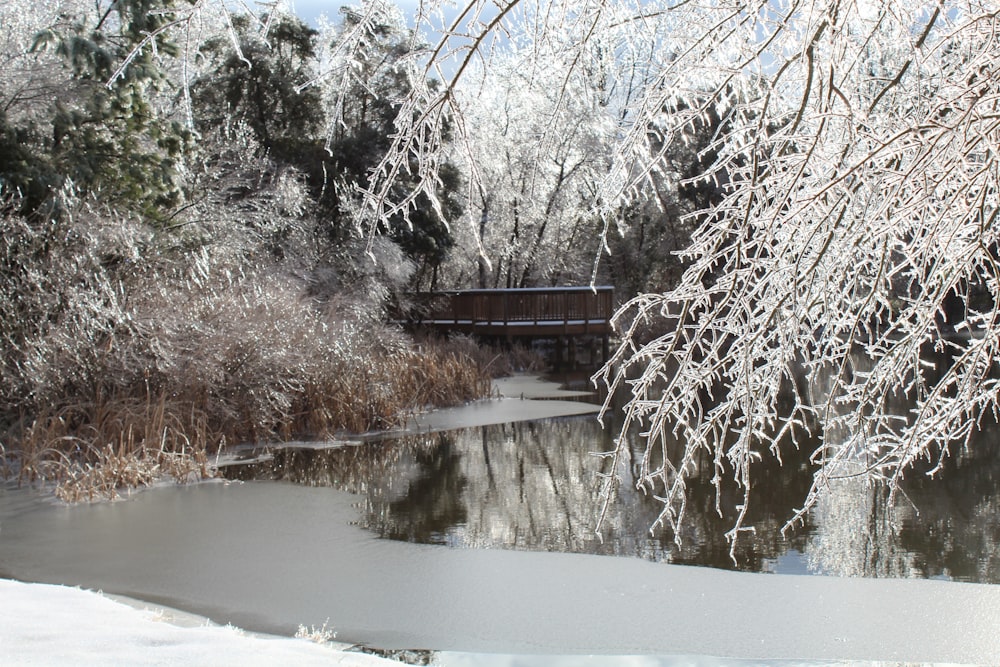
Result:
<point x="530" y="312"/>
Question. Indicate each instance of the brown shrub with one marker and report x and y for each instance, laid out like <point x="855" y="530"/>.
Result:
<point x="238" y="392"/>
<point x="130" y="353"/>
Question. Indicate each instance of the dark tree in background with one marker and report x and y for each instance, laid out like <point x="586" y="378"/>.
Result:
<point x="99" y="130"/>
<point x="262" y="85"/>
<point x="332" y="129"/>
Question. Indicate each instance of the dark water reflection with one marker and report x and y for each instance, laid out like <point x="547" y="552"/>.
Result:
<point x="945" y="527"/>
<point x="534" y="486"/>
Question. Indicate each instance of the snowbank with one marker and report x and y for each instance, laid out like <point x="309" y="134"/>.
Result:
<point x="42" y="624"/>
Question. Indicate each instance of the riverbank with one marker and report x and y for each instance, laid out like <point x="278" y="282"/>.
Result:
<point x="270" y="556"/>
<point x="96" y="447"/>
<point x="63" y="626"/>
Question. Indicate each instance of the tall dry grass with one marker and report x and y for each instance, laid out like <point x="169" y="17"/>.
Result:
<point x="93" y="449"/>
<point x="381" y="396"/>
<point x="128" y="356"/>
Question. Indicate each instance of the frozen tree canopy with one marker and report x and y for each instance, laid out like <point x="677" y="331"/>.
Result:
<point x="840" y="276"/>
<point x="856" y="155"/>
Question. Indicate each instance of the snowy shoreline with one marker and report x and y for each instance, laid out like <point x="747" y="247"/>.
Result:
<point x="55" y="625"/>
<point x="60" y="625"/>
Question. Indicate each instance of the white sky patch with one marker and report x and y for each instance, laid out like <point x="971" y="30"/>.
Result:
<point x="310" y="10"/>
<point x="868" y="10"/>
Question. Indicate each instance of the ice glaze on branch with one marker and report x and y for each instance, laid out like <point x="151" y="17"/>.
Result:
<point x="858" y="155"/>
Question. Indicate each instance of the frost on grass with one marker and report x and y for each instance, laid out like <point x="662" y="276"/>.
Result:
<point x="119" y="372"/>
<point x="320" y="635"/>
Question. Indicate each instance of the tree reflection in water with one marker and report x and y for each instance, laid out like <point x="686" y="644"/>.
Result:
<point x="534" y="486"/>
<point x="947" y="526"/>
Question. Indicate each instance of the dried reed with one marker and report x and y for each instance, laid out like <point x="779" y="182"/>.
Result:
<point x="127" y="356"/>
<point x="91" y="451"/>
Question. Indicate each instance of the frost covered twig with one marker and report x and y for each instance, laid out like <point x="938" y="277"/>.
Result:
<point x="855" y="228"/>
<point x="857" y="159"/>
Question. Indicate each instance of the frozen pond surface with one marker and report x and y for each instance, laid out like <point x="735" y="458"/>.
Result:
<point x="300" y="549"/>
<point x="270" y="556"/>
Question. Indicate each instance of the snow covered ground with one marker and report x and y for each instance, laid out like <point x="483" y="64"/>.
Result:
<point x="42" y="624"/>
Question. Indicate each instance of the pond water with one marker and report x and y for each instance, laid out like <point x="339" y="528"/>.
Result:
<point x="533" y="485"/>
<point x="483" y="539"/>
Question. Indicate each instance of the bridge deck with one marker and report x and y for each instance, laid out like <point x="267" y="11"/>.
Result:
<point x="533" y="312"/>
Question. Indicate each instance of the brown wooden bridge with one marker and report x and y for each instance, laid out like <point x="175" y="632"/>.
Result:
<point x="562" y="313"/>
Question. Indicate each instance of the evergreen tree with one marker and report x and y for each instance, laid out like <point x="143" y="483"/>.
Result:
<point x="373" y="53"/>
<point x="103" y="134"/>
<point x="270" y="82"/>
<point x="260" y="82"/>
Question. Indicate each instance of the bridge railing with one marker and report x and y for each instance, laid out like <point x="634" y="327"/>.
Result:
<point x="585" y="309"/>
